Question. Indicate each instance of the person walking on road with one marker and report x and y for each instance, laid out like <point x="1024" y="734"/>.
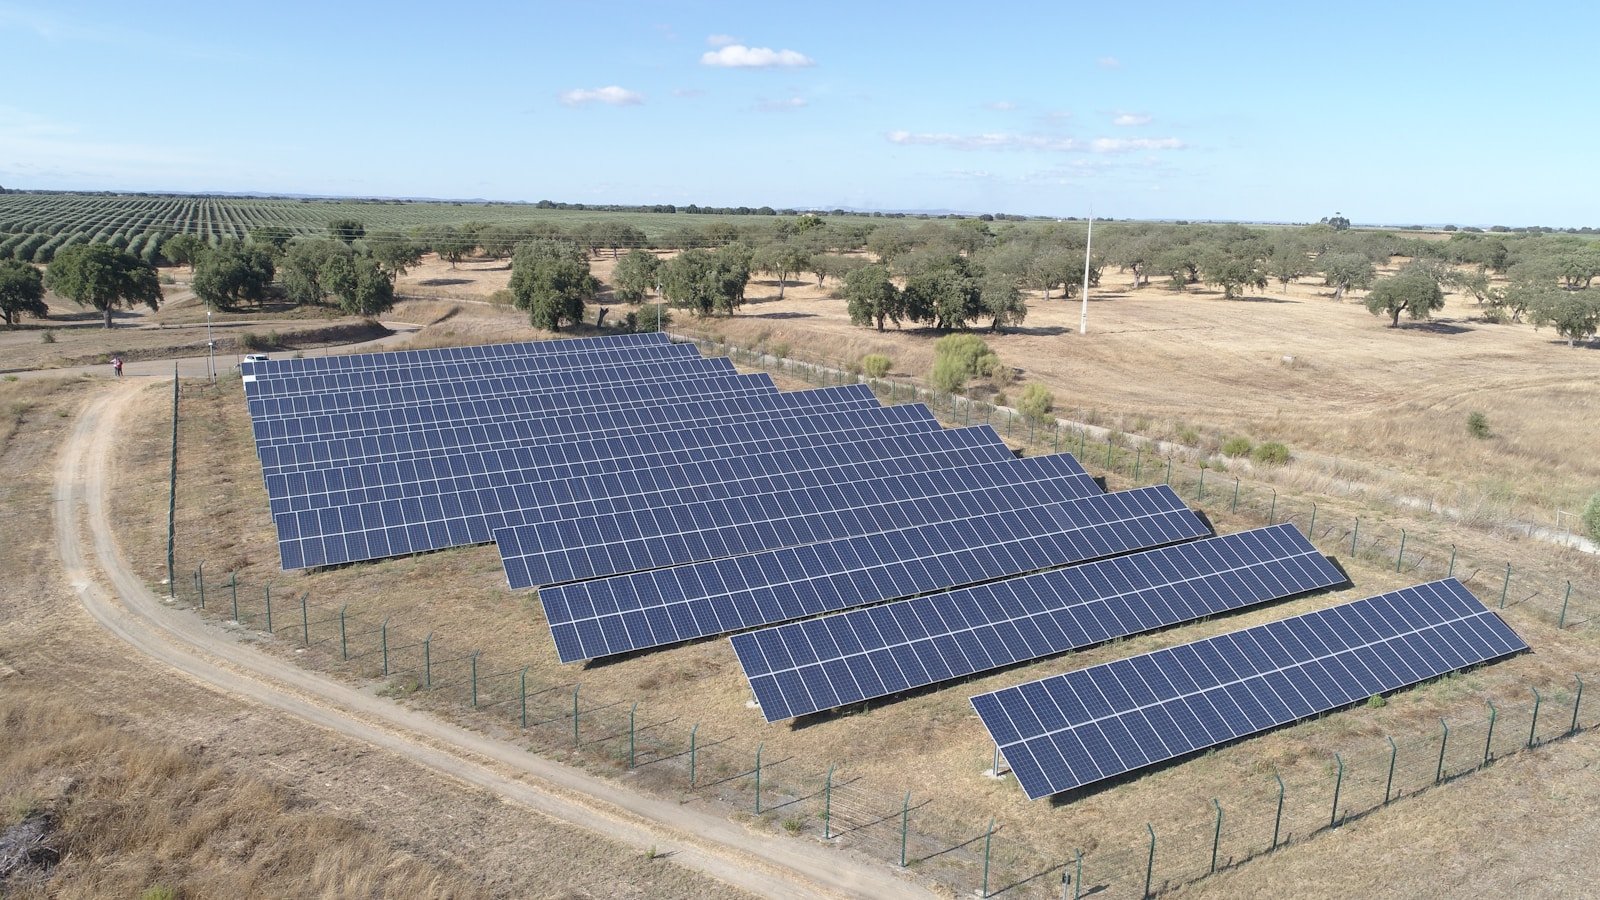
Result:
<point x="116" y="365"/>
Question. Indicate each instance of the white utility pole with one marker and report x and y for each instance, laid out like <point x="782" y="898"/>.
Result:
<point x="1083" y="318"/>
<point x="211" y="346"/>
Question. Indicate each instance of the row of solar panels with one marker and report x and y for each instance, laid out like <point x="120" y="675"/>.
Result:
<point x="655" y="497"/>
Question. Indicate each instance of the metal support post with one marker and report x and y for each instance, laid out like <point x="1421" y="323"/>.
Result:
<point x="1399" y="558"/>
<point x="1216" y="836"/>
<point x="269" y="608"/>
<point x="1560" y="623"/>
<point x="1488" y="741"/>
<point x="1576" y="703"/>
<point x="1506" y="587"/>
<point x="427" y="661"/>
<point x="1338" y="784"/>
<point x="905" y="826"/>
<point x="632" y="716"/>
<point x="344" y="644"/>
<point x="827" y="806"/>
<point x="1277" y="821"/>
<point x="1444" y="740"/>
<point x="575" y="740"/>
<point x="1394" y="752"/>
<point x="692" y="751"/>
<point x="1533" y="724"/>
<point x="988" y="836"/>
<point x="1150" y="864"/>
<point x="759" y="747"/>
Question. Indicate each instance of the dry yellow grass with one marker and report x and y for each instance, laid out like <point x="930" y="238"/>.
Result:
<point x="136" y="814"/>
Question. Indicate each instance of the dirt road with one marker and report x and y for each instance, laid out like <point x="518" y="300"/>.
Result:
<point x="116" y="598"/>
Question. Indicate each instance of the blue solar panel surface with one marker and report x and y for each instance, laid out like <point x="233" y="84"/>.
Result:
<point x="280" y="367"/>
<point x="442" y="472"/>
<point x="1075" y="729"/>
<point x="576" y="549"/>
<point x="710" y="408"/>
<point x="569" y="379"/>
<point x="606" y="616"/>
<point x="818" y="664"/>
<point x="573" y="490"/>
<point x="460" y="370"/>
<point x="465" y="413"/>
<point x="453" y="500"/>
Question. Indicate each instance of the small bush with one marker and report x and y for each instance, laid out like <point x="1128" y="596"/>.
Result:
<point x="959" y="357"/>
<point x="1036" y="403"/>
<point x="1591" y="517"/>
<point x="251" y="342"/>
<point x="1272" y="453"/>
<point x="1237" y="446"/>
<point x="1478" y="425"/>
<point x="1001" y="399"/>
<point x="792" y="825"/>
<point x="876" y="365"/>
<point x="503" y="297"/>
<point x="779" y="350"/>
<point x="49" y="337"/>
<point x="158" y="893"/>
<point x="1376" y="701"/>
<point x="1189" y="437"/>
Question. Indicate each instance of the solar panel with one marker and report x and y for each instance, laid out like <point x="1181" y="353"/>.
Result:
<point x="606" y="616"/>
<point x="443" y="472"/>
<point x="565" y="380"/>
<point x="818" y="664"/>
<point x="453" y="413"/>
<point x="414" y="511"/>
<point x="1075" y="729"/>
<point x="574" y="549"/>
<point x="457" y="370"/>
<point x="573" y="490"/>
<point x="714" y="409"/>
<point x="276" y="367"/>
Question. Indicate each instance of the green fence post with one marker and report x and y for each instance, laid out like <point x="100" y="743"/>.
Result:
<point x="1444" y="740"/>
<point x="1077" y="880"/>
<point x="305" y="620"/>
<point x="200" y="584"/>
<point x="632" y="713"/>
<point x="1506" y="587"/>
<point x="1450" y="571"/>
<point x="1533" y="726"/>
<point x="1355" y="534"/>
<point x="344" y="645"/>
<point x="1338" y="784"/>
<point x="905" y="823"/>
<point x="1138" y="462"/>
<point x="1272" y="511"/>
<point x="1083" y="437"/>
<point x="575" y="740"/>
<point x="383" y="633"/>
<point x="1110" y="447"/>
<point x="233" y="586"/>
<point x="759" y="747"/>
<point x="1399" y="557"/>
<point x="1216" y="836"/>
<point x="1394" y="751"/>
<point x="427" y="661"/>
<point x="1488" y="741"/>
<point x="1576" y="702"/>
<point x="987" y="837"/>
<point x="1277" y="821"/>
<point x="1235" y="507"/>
<point x="475" y="678"/>
<point x="692" y="749"/>
<point x="1150" y="864"/>
<point x="524" y="694"/>
<point x="269" y="608"/>
<point x="1201" y="495"/>
<point x="1168" y="482"/>
<point x="1561" y="623"/>
<point x="827" y="806"/>
<point x="1311" y="530"/>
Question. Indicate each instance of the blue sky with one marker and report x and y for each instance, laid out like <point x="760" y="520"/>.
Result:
<point x="1473" y="113"/>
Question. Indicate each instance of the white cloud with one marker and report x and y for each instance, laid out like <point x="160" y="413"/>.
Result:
<point x="996" y="140"/>
<point x="721" y="40"/>
<point x="738" y="56"/>
<point x="1127" y="145"/>
<point x="688" y="92"/>
<point x="1108" y="62"/>
<point x="1000" y="105"/>
<point x="1127" y="119"/>
<point x="783" y="105"/>
<point x="610" y="95"/>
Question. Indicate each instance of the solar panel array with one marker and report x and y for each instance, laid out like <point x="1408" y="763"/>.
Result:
<point x="819" y="664"/>
<point x="1072" y="730"/>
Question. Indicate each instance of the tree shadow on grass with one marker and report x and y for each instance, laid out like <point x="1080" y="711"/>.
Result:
<point x="1442" y="326"/>
<point x="784" y="315"/>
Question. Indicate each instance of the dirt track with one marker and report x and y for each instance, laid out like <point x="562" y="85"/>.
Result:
<point x="116" y="598"/>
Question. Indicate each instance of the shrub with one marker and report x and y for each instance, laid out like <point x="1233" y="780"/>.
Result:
<point x="49" y="337"/>
<point x="1478" y="425"/>
<point x="1036" y="403"/>
<point x="876" y="365"/>
<point x="1591" y="517"/>
<point x="1189" y="436"/>
<point x="779" y="350"/>
<point x="251" y="342"/>
<point x="645" y="319"/>
<point x="502" y="297"/>
<point x="959" y="357"/>
<point x="1237" y="446"/>
<point x="1376" y="701"/>
<point x="1272" y="453"/>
